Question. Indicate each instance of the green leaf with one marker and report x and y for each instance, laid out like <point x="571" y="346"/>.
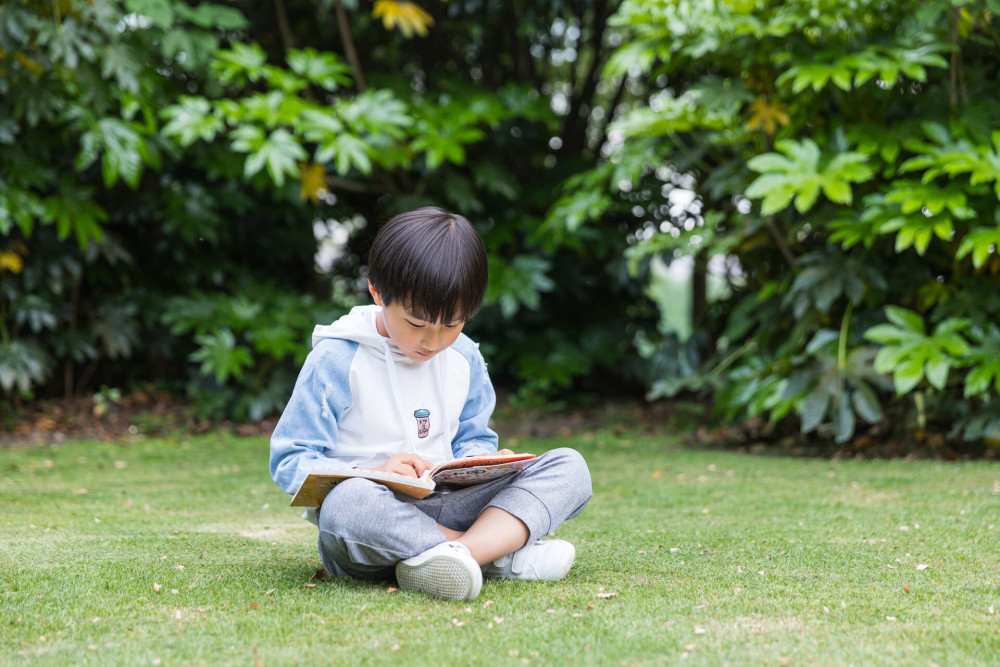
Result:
<point x="198" y="46"/>
<point x="814" y="408"/>
<point x="160" y="12"/>
<point x="280" y="153"/>
<point x="936" y="371"/>
<point x="191" y="120"/>
<point x="905" y="319"/>
<point x="247" y="138"/>
<point x="884" y="333"/>
<point x="207" y="15"/>
<point x="807" y="194"/>
<point x="350" y="151"/>
<point x="843" y="422"/>
<point x="74" y="211"/>
<point x="908" y="374"/>
<point x="866" y="404"/>
<point x="981" y="377"/>
<point x="442" y="145"/>
<point x="837" y="191"/>
<point x="122" y="148"/>
<point x="240" y="64"/>
<point x="220" y="356"/>
<point x="822" y="338"/>
<point x="320" y="127"/>
<point x="518" y="283"/>
<point x="121" y="64"/>
<point x="777" y="191"/>
<point x="802" y="174"/>
<point x="376" y="112"/>
<point x="771" y="162"/>
<point x="981" y="243"/>
<point x="322" y="69"/>
<point x="888" y="358"/>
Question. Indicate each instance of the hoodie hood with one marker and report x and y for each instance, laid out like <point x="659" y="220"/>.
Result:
<point x="359" y="326"/>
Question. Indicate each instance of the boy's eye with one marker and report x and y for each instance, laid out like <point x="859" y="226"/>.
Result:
<point x="415" y="325"/>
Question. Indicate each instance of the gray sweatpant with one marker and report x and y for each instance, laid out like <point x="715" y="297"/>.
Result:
<point x="365" y="529"/>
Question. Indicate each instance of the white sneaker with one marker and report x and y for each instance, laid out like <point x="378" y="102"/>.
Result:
<point x="447" y="571"/>
<point x="547" y="560"/>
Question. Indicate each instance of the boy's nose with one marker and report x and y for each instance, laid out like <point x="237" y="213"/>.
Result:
<point x="434" y="339"/>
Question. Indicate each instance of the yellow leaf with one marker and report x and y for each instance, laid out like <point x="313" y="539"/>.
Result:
<point x="766" y="115"/>
<point x="409" y="17"/>
<point x="11" y="261"/>
<point x="29" y="64"/>
<point x="313" y="177"/>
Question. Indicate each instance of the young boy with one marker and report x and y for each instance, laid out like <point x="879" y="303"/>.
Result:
<point x="397" y="387"/>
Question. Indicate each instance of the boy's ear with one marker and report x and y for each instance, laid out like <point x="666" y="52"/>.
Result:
<point x="375" y="295"/>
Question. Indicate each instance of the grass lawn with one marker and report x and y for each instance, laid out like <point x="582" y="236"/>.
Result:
<point x="184" y="552"/>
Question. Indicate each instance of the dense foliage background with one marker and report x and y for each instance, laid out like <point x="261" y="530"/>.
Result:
<point x="186" y="188"/>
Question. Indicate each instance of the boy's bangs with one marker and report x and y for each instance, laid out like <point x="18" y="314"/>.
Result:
<point x="442" y="297"/>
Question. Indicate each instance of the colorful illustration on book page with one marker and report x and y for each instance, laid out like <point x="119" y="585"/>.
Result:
<point x="475" y="475"/>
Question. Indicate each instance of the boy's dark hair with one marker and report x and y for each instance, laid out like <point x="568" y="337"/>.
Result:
<point x="433" y="262"/>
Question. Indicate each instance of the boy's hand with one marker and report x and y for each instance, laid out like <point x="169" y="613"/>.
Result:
<point x="402" y="463"/>
<point x="500" y="452"/>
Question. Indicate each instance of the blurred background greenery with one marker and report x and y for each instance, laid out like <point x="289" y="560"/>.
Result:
<point x="789" y="210"/>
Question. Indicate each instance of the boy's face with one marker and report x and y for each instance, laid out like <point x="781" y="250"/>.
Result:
<point x="418" y="339"/>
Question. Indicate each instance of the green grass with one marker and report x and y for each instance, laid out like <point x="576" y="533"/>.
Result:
<point x="683" y="556"/>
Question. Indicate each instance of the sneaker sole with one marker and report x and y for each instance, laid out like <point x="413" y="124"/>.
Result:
<point x="440" y="576"/>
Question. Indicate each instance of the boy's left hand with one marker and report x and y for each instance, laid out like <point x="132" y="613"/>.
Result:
<point x="505" y="452"/>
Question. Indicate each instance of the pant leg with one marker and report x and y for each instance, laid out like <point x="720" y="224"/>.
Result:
<point x="553" y="489"/>
<point x="364" y="530"/>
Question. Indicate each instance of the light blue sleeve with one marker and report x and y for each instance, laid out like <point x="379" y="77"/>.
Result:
<point x="306" y="434"/>
<point x="474" y="434"/>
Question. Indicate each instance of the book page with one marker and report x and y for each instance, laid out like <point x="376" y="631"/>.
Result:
<point x="475" y="470"/>
<point x="319" y="482"/>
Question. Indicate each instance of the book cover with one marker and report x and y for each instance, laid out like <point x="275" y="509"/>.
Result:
<point x="456" y="472"/>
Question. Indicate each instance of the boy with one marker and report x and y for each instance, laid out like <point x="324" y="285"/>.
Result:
<point x="397" y="387"/>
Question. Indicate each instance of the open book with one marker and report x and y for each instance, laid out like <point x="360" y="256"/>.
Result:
<point x="457" y="472"/>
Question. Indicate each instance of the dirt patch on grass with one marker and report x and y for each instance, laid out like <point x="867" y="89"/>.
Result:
<point x="142" y="413"/>
<point x="154" y="414"/>
<point x="157" y="414"/>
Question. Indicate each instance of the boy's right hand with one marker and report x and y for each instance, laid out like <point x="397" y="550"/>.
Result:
<point x="402" y="463"/>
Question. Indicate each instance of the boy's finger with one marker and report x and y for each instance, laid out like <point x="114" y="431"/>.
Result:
<point x="405" y="469"/>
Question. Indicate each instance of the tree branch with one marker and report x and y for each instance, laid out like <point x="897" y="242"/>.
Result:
<point x="609" y="114"/>
<point x="786" y="251"/>
<point x="286" y="33"/>
<point x="335" y="182"/>
<point x="955" y="62"/>
<point x="352" y="55"/>
<point x="575" y="127"/>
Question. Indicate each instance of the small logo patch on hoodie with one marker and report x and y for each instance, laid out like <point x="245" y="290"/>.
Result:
<point x="423" y="422"/>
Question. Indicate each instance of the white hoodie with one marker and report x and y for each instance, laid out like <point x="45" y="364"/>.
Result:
<point x="358" y="400"/>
